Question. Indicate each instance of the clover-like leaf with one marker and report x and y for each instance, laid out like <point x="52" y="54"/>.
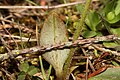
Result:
<point x="24" y="66"/>
<point x="32" y="70"/>
<point x="21" y="75"/>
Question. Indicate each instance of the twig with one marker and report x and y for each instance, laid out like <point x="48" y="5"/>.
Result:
<point x="24" y="28"/>
<point x="86" y="76"/>
<point x="106" y="50"/>
<point x="3" y="19"/>
<point x="17" y="37"/>
<point x="41" y="7"/>
<point x="90" y="64"/>
<point x="6" y="46"/>
<point x="11" y="37"/>
<point x="24" y="39"/>
<point x="59" y="46"/>
<point x="6" y="73"/>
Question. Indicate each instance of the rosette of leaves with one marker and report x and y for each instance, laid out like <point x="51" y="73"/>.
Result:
<point x="54" y="32"/>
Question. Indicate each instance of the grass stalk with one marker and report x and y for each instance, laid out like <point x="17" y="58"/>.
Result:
<point x="49" y="72"/>
<point x="42" y="68"/>
<point x="75" y="37"/>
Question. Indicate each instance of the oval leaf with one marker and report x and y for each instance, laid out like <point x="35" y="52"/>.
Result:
<point x="110" y="15"/>
<point x="92" y="20"/>
<point x="117" y="9"/>
<point x="88" y="34"/>
<point x="54" y="32"/>
<point x="110" y="44"/>
<point x="115" y="19"/>
<point x="116" y="31"/>
<point x="109" y="74"/>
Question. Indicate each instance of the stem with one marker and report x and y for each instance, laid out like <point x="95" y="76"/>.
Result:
<point x="75" y="37"/>
<point x="42" y="68"/>
<point x="49" y="72"/>
<point x="59" y="74"/>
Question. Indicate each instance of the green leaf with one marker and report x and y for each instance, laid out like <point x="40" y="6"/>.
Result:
<point x="54" y="32"/>
<point x="117" y="9"/>
<point x="115" y="63"/>
<point x="73" y="68"/>
<point x="109" y="74"/>
<point x="21" y="76"/>
<point x="80" y="8"/>
<point x="115" y="19"/>
<point x="110" y="44"/>
<point x="88" y="34"/>
<point x="109" y="6"/>
<point x="24" y="67"/>
<point x="110" y="15"/>
<point x="32" y="70"/>
<point x="116" y="31"/>
<point x="92" y="20"/>
<point x="112" y="12"/>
